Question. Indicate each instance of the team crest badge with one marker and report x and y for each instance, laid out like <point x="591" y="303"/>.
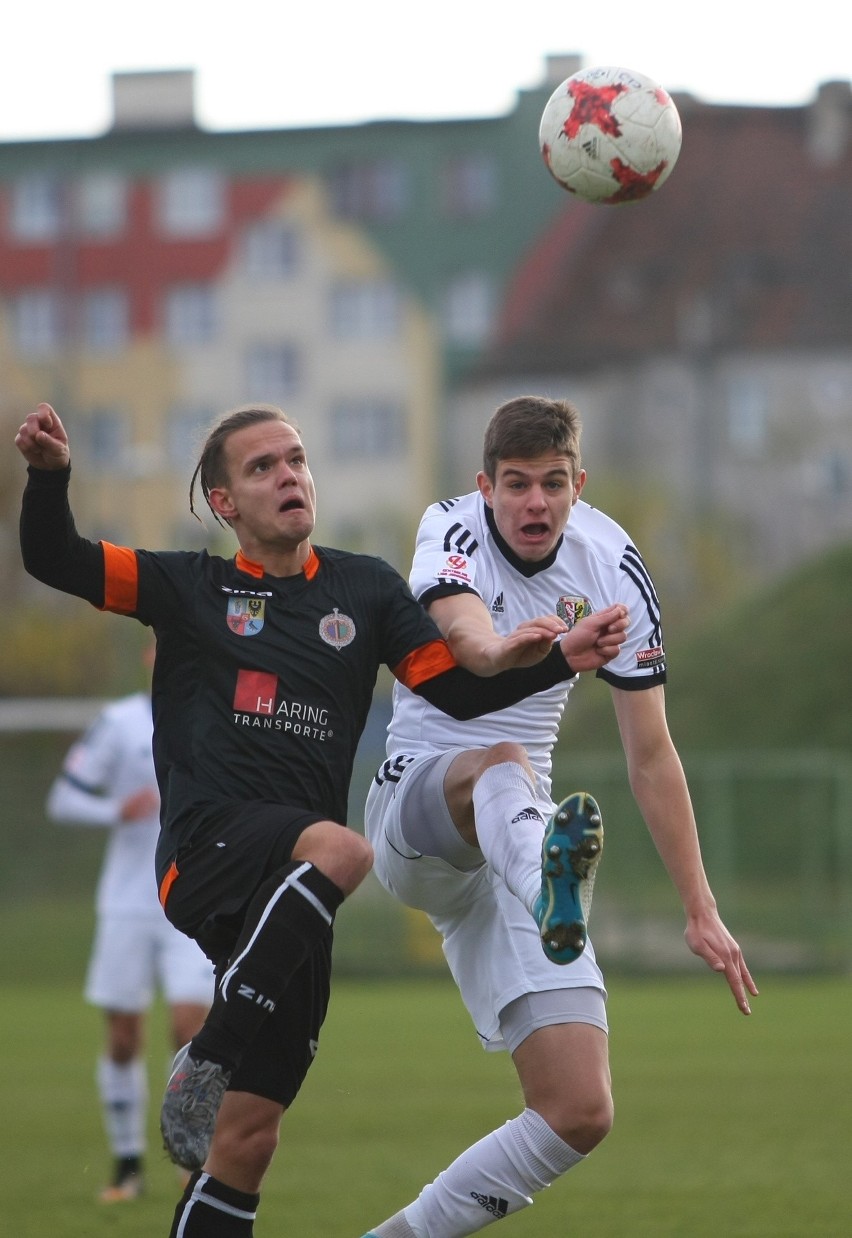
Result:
<point x="246" y="615"/>
<point x="571" y="610"/>
<point x="337" y="630"/>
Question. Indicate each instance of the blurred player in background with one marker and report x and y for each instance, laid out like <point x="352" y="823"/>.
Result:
<point x="265" y="669"/>
<point x="108" y="781"/>
<point x="457" y="813"/>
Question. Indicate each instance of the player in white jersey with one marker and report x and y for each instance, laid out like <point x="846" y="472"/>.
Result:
<point x="107" y="780"/>
<point x="456" y="815"/>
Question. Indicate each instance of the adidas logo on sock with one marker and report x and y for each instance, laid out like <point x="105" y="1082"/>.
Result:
<point x="497" y="1207"/>
<point x="527" y="814"/>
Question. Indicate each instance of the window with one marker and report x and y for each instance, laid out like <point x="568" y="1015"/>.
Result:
<point x="37" y="325"/>
<point x="107" y="437"/>
<point x="36" y="208"/>
<point x="364" y="309"/>
<point x="468" y="311"/>
<point x="837" y="476"/>
<point x="469" y="186"/>
<point x="378" y="190"/>
<point x="185" y="431"/>
<point x="367" y="427"/>
<point x="100" y="205"/>
<point x="270" y="250"/>
<point x="191" y="203"/>
<point x="191" y="316"/>
<point x="748" y="413"/>
<point x="105" y="319"/>
<point x="272" y="372"/>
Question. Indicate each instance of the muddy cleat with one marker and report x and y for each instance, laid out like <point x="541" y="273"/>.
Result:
<point x="573" y="840"/>
<point x="190" y="1106"/>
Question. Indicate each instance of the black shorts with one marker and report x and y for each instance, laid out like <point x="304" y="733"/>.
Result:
<point x="233" y="849"/>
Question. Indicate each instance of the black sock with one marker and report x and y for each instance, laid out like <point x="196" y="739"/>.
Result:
<point x="125" y="1167"/>
<point x="197" y="1214"/>
<point x="290" y="913"/>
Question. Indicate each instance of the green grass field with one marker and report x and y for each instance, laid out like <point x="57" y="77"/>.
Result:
<point x="724" y="1125"/>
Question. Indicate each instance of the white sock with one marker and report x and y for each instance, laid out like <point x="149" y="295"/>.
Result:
<point x="510" y="828"/>
<point x="123" y="1089"/>
<point x="493" y="1179"/>
<point x="394" y="1227"/>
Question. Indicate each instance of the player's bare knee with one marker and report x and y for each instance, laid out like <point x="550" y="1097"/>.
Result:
<point x="243" y="1152"/>
<point x="504" y="753"/>
<point x="584" y="1127"/>
<point x="339" y="853"/>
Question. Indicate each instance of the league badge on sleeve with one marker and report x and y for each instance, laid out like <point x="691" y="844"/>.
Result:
<point x="457" y="568"/>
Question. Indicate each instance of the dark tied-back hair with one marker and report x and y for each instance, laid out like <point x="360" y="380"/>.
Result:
<point x="529" y="426"/>
<point x="211" y="470"/>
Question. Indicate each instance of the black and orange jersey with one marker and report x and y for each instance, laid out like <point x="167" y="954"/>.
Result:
<point x="262" y="684"/>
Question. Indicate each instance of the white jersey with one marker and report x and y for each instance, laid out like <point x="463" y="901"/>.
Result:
<point x="109" y="763"/>
<point x="593" y="566"/>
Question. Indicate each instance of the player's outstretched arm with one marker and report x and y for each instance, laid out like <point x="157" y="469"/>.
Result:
<point x="51" y="548"/>
<point x="42" y="440"/>
<point x="466" y="626"/>
<point x="587" y="646"/>
<point x="661" y="792"/>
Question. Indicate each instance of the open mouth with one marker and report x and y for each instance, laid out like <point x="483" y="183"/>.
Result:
<point x="292" y="505"/>
<point x="534" y="530"/>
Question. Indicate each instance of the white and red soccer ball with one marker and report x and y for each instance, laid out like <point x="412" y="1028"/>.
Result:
<point x="610" y="135"/>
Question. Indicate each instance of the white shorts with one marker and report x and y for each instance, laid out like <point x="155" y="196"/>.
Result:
<point x="491" y="941"/>
<point x="134" y="955"/>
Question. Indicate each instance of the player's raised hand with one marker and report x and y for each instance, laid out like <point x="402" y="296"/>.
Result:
<point x="42" y="440"/>
<point x="596" y="639"/>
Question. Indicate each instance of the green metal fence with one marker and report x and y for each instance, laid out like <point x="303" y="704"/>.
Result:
<point x="776" y="832"/>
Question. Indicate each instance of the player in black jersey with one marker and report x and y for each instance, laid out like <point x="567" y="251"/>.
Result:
<point x="265" y="669"/>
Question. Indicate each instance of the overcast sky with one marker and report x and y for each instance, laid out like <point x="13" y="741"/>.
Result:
<point x="260" y="64"/>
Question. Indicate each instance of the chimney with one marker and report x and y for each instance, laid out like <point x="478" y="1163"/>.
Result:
<point x="558" y="67"/>
<point x="829" y="120"/>
<point x="153" y="99"/>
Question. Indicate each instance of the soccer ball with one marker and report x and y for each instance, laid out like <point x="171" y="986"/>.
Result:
<point x="610" y="135"/>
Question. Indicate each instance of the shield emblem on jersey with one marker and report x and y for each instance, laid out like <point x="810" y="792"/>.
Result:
<point x="245" y="615"/>
<point x="572" y="609"/>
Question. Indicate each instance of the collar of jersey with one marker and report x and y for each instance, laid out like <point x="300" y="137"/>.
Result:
<point x="522" y="566"/>
<point x="309" y="568"/>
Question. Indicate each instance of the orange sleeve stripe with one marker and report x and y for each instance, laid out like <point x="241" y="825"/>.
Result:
<point x="121" y="579"/>
<point x="424" y="663"/>
<point x="167" y="883"/>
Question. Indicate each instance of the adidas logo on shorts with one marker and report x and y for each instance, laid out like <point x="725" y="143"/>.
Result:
<point x="527" y="814"/>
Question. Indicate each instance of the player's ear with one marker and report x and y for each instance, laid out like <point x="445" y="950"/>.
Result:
<point x="223" y="505"/>
<point x="579" y="483"/>
<point x="486" y="488"/>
